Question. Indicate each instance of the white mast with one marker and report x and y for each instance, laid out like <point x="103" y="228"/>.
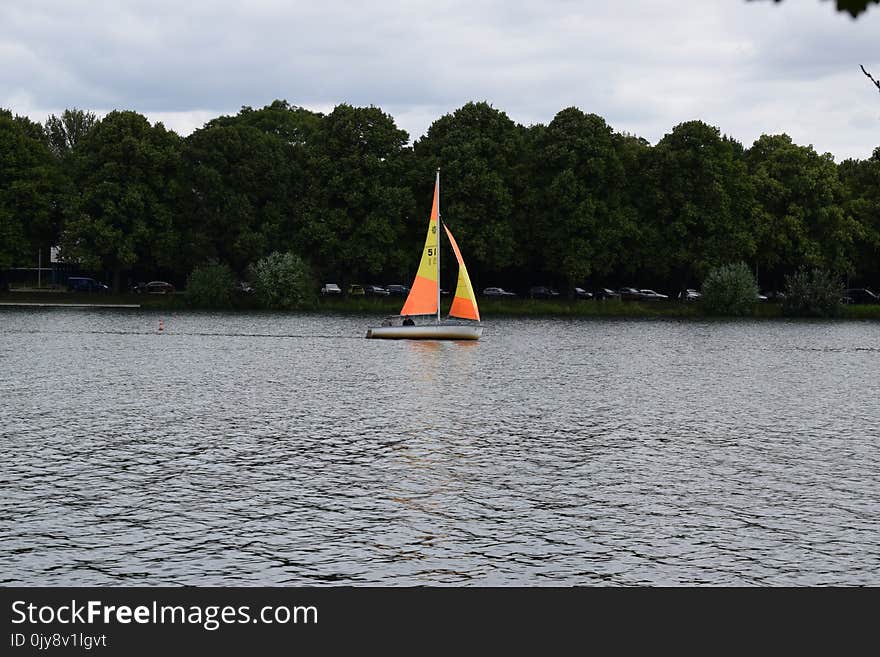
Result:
<point x="439" y="223"/>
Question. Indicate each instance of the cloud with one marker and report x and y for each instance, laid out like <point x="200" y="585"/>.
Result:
<point x="645" y="66"/>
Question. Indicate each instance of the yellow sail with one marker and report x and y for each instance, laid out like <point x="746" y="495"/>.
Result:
<point x="423" y="295"/>
<point x="464" y="304"/>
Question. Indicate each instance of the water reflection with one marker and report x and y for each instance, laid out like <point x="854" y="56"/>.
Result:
<point x="287" y="449"/>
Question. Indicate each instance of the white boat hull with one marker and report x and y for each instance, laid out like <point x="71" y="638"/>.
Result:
<point x="427" y="332"/>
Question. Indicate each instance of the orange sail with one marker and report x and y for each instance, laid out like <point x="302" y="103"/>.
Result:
<point x="464" y="304"/>
<point x="423" y="296"/>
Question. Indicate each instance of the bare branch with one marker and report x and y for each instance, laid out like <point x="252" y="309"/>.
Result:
<point x="871" y="77"/>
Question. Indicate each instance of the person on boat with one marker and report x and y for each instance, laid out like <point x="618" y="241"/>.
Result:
<point x="407" y="321"/>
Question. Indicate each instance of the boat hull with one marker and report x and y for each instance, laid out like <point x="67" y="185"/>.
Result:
<point x="426" y="332"/>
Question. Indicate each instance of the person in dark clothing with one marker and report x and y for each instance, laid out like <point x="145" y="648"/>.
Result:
<point x="407" y="321"/>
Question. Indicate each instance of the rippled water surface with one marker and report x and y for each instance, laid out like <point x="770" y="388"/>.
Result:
<point x="287" y="449"/>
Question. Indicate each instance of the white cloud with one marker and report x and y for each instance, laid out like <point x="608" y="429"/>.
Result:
<point x="645" y="66"/>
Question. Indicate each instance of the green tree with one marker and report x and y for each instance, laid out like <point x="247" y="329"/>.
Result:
<point x="358" y="197"/>
<point x="210" y="285"/>
<point x="701" y="201"/>
<point x="66" y="131"/>
<point x="800" y="218"/>
<point x="861" y="182"/>
<point x="577" y="211"/>
<point x="29" y="183"/>
<point x="481" y="154"/>
<point x="247" y="183"/>
<point x="639" y="231"/>
<point x="293" y="125"/>
<point x="812" y="293"/>
<point x="128" y="174"/>
<point x="730" y="290"/>
<point x="284" y="281"/>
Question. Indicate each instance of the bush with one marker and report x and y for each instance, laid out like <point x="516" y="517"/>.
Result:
<point x="283" y="281"/>
<point x="730" y="290"/>
<point x="210" y="286"/>
<point x="814" y="293"/>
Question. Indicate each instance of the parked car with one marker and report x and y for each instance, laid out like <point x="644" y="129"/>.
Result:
<point x="375" y="291"/>
<point x="155" y="287"/>
<point x="541" y="292"/>
<point x="397" y="290"/>
<point x="81" y="284"/>
<point x="760" y="297"/>
<point x="861" y="295"/>
<point x="605" y="293"/>
<point x="689" y="295"/>
<point x="497" y="292"/>
<point x="630" y="294"/>
<point x="356" y="290"/>
<point x="330" y="289"/>
<point x="581" y="293"/>
<point x="651" y="295"/>
<point x="244" y="286"/>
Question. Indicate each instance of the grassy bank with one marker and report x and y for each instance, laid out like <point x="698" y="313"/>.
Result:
<point x="382" y="306"/>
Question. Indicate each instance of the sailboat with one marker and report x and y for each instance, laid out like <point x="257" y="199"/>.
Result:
<point x="419" y="319"/>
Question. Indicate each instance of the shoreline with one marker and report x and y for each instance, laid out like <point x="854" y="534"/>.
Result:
<point x="385" y="306"/>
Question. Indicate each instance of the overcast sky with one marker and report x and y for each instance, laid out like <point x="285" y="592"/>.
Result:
<point x="644" y="65"/>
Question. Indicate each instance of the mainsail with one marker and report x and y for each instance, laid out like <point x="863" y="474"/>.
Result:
<point x="464" y="304"/>
<point x="424" y="295"/>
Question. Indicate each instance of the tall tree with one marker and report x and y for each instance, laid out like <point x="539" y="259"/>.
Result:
<point x="28" y="184"/>
<point x="701" y="202"/>
<point x="359" y="202"/>
<point x="639" y="231"/>
<point x="861" y="182"/>
<point x="246" y="184"/>
<point x="481" y="153"/>
<point x="128" y="173"/>
<point x="238" y="180"/>
<point x="66" y="131"/>
<point x="577" y="199"/>
<point x="800" y="204"/>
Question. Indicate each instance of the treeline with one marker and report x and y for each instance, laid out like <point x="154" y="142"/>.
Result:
<point x="569" y="203"/>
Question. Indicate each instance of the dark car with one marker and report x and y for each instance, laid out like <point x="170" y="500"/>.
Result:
<point x="860" y="295"/>
<point x="497" y="292"/>
<point x="541" y="292"/>
<point x="397" y="290"/>
<point x="605" y="293"/>
<point x="581" y="293"/>
<point x="155" y="287"/>
<point x="375" y="291"/>
<point x="630" y="294"/>
<point x="81" y="284"/>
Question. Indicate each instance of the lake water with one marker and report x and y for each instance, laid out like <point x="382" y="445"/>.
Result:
<point x="276" y="449"/>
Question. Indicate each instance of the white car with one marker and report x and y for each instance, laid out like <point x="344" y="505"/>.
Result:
<point x="330" y="289"/>
<point x="497" y="292"/>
